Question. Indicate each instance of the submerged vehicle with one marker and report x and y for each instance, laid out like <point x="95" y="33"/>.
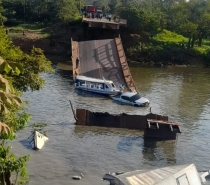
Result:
<point x="131" y="98"/>
<point x="101" y="86"/>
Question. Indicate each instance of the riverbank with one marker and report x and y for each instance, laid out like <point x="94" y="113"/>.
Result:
<point x="162" y="50"/>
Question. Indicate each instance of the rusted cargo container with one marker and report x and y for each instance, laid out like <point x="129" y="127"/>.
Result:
<point x="161" y="129"/>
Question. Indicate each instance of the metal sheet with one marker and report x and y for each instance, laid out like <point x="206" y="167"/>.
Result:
<point x="99" y="58"/>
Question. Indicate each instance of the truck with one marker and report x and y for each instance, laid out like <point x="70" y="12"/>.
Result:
<point x="91" y="9"/>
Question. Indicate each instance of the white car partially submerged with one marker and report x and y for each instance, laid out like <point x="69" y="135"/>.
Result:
<point x="131" y="98"/>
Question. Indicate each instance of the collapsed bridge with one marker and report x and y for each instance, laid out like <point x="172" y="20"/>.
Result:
<point x="102" y="58"/>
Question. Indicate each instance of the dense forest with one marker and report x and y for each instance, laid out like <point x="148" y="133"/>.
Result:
<point x="163" y="25"/>
<point x="167" y="31"/>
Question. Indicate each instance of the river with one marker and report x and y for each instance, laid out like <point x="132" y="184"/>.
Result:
<point x="181" y="93"/>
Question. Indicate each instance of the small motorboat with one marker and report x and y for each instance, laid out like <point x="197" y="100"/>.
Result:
<point x="101" y="86"/>
<point x="37" y="140"/>
<point x="131" y="98"/>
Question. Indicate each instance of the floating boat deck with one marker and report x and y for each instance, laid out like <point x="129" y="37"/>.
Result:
<point x="102" y="58"/>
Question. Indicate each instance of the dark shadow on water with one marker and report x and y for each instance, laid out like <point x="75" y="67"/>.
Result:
<point x="64" y="74"/>
<point x="25" y="143"/>
<point x="126" y="143"/>
<point x="90" y="94"/>
<point x="156" y="150"/>
<point x="81" y="131"/>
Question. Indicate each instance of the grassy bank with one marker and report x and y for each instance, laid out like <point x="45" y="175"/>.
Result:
<point x="16" y="31"/>
<point x="169" y="48"/>
<point x="164" y="48"/>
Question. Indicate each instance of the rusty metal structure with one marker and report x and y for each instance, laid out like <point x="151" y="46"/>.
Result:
<point x="154" y="125"/>
<point x="166" y="129"/>
<point x="105" y="58"/>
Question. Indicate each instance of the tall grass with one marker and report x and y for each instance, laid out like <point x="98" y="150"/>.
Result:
<point x="169" y="37"/>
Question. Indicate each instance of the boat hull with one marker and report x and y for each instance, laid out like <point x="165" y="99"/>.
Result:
<point x="98" y="91"/>
<point x="37" y="140"/>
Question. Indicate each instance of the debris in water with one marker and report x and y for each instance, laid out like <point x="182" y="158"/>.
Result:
<point x="76" y="177"/>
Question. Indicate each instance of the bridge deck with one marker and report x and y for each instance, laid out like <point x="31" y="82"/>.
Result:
<point x="104" y="23"/>
<point x="102" y="58"/>
<point x="122" y="22"/>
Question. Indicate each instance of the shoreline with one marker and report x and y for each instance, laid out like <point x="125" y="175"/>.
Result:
<point x="61" y="51"/>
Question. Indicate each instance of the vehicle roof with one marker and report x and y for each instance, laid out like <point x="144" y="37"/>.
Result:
<point x="160" y="176"/>
<point x="89" y="79"/>
<point x="129" y="94"/>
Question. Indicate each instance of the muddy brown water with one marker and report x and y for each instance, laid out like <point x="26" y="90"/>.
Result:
<point x="181" y="93"/>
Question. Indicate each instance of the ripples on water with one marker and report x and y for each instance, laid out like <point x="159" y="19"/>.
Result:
<point x="181" y="93"/>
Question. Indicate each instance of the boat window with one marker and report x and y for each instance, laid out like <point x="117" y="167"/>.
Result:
<point x="126" y="98"/>
<point x="182" y="180"/>
<point x="100" y="86"/>
<point x="135" y="97"/>
<point x="92" y="85"/>
<point x="82" y="83"/>
<point x="88" y="84"/>
<point x="113" y="85"/>
<point x="108" y="85"/>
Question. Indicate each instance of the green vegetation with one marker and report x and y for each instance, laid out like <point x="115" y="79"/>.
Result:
<point x="168" y="37"/>
<point x="169" y="22"/>
<point x="19" y="72"/>
<point x="169" y="31"/>
<point x="39" y="127"/>
<point x="42" y="13"/>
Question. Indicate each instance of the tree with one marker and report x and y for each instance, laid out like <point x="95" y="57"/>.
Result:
<point x="203" y="28"/>
<point x="67" y="11"/>
<point x="2" y="18"/>
<point x="8" y="100"/>
<point x="19" y="72"/>
<point x="139" y="20"/>
<point x="114" y="5"/>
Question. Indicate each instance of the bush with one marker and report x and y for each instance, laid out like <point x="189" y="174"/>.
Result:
<point x="207" y="57"/>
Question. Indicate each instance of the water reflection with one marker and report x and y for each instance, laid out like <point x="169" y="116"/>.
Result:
<point x="126" y="143"/>
<point x="181" y="93"/>
<point x="159" y="152"/>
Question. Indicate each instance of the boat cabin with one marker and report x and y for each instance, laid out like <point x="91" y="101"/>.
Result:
<point x="95" y="85"/>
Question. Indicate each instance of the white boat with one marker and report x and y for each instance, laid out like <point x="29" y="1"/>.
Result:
<point x="131" y="98"/>
<point x="37" y="140"/>
<point x="172" y="175"/>
<point x="101" y="86"/>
